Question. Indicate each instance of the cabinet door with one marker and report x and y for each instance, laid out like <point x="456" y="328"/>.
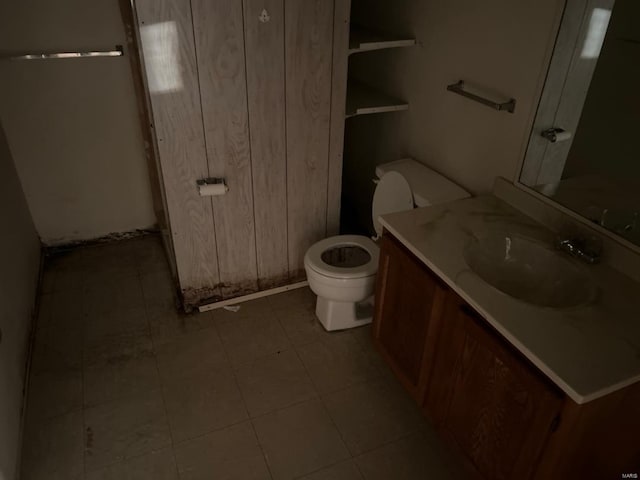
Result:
<point x="498" y="411"/>
<point x="408" y="299"/>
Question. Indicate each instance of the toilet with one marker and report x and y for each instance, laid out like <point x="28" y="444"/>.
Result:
<point x="341" y="270"/>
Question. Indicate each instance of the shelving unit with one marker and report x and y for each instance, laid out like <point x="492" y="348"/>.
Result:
<point x="365" y="40"/>
<point x="364" y="100"/>
<point x="361" y="98"/>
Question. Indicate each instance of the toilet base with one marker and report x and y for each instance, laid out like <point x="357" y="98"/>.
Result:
<point x="342" y="315"/>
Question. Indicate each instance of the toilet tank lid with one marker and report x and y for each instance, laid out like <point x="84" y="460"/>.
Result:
<point x="428" y="187"/>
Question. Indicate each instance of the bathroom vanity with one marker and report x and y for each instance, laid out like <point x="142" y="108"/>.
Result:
<point x="519" y="390"/>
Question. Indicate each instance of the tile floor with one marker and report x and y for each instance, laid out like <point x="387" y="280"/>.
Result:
<point x="123" y="386"/>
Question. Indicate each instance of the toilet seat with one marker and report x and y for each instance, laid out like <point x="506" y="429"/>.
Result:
<point x="393" y="194"/>
<point x="313" y="258"/>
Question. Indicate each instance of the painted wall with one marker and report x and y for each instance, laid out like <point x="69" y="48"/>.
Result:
<point x="72" y="125"/>
<point x="606" y="141"/>
<point x="19" y="258"/>
<point x="499" y="46"/>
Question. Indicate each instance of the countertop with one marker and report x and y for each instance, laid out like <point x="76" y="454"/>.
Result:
<point x="587" y="351"/>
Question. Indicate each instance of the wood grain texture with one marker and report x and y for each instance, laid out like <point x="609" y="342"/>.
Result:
<point x="498" y="412"/>
<point x="264" y="45"/>
<point x="170" y="60"/>
<point x="146" y="126"/>
<point x="219" y="39"/>
<point x="341" y="14"/>
<point x="598" y="439"/>
<point x="308" y="57"/>
<point x="409" y="302"/>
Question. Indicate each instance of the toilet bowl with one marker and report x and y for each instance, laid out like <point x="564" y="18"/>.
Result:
<point x="341" y="270"/>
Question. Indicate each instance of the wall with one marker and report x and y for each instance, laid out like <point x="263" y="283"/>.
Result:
<point x="606" y="141"/>
<point x="19" y="257"/>
<point x="250" y="101"/>
<point x="73" y="125"/>
<point x="500" y="47"/>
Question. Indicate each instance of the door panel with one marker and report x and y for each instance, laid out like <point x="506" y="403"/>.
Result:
<point x="218" y="29"/>
<point x="500" y="411"/>
<point x="308" y="51"/>
<point x="409" y="300"/>
<point x="246" y="96"/>
<point x="170" y="62"/>
<point x="265" y="89"/>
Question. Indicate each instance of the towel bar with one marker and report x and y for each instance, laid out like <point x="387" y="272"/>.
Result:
<point x="508" y="106"/>
<point x="117" y="52"/>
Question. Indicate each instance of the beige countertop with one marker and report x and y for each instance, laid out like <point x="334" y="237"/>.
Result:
<point x="587" y="351"/>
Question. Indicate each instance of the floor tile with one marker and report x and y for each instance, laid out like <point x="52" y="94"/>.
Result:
<point x="364" y="337"/>
<point x="372" y="414"/>
<point x="200" y="402"/>
<point x="273" y="382"/>
<point x="200" y="351"/>
<point x="299" y="298"/>
<point x="100" y="327"/>
<point x="57" y="350"/>
<point x="45" y="310"/>
<point x="158" y="289"/>
<point x="117" y="347"/>
<point x="302" y="327"/>
<point x="409" y="458"/>
<point x="109" y="263"/>
<point x="300" y="439"/>
<point x="125" y="428"/>
<point x="105" y="297"/>
<point x="119" y="377"/>
<point x="229" y="454"/>
<point x="247" y="337"/>
<point x="337" y="362"/>
<point x="47" y="283"/>
<point x="66" y="310"/>
<point x="53" y="393"/>
<point x="53" y="448"/>
<point x="158" y="465"/>
<point x="109" y="335"/>
<point x="69" y="271"/>
<point x="260" y="307"/>
<point x="166" y="323"/>
<point x="150" y="255"/>
<point x="341" y="471"/>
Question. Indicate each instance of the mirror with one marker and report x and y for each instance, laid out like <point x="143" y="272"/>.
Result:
<point x="584" y="149"/>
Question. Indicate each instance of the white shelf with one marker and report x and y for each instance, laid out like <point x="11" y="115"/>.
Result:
<point x="364" y="100"/>
<point x="363" y="40"/>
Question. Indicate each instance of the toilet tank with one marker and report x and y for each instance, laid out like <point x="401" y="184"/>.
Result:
<point x="428" y="187"/>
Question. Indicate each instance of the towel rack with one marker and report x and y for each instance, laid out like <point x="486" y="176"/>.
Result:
<point x="118" y="51"/>
<point x="508" y="106"/>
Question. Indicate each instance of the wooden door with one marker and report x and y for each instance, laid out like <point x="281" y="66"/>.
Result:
<point x="248" y="91"/>
<point x="408" y="300"/>
<point x="496" y="409"/>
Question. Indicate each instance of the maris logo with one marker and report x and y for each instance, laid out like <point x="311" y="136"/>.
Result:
<point x="629" y="475"/>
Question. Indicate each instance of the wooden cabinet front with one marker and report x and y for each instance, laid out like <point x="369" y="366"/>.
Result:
<point x="487" y="401"/>
<point x="408" y="298"/>
<point x="498" y="411"/>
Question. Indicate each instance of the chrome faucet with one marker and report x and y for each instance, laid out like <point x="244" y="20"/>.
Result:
<point x="581" y="248"/>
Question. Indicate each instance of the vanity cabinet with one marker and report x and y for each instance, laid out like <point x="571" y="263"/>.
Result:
<point x="408" y="297"/>
<point x="504" y="417"/>
<point x="487" y="402"/>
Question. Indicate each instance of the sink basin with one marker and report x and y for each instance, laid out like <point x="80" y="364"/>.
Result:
<point x="529" y="270"/>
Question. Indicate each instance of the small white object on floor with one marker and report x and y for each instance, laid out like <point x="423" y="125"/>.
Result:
<point x="232" y="308"/>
